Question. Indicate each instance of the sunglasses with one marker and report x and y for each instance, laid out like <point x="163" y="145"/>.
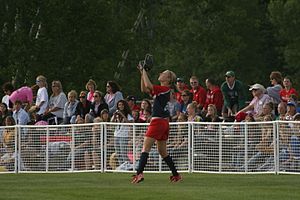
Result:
<point x="95" y="96"/>
<point x="184" y="95"/>
<point x="82" y="97"/>
<point x="193" y="82"/>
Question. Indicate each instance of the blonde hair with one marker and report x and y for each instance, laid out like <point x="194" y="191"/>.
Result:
<point x="42" y="79"/>
<point x="91" y="82"/>
<point x="73" y="93"/>
<point x="57" y="83"/>
<point x="193" y="105"/>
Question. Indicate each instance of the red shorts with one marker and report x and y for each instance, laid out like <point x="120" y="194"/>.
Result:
<point x="158" y="129"/>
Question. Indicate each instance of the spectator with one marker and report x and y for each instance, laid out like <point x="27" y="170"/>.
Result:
<point x="91" y="86"/>
<point x="173" y="107"/>
<point x="57" y="101"/>
<point x="259" y="99"/>
<point x="287" y="91"/>
<point x="265" y="148"/>
<point x="180" y="86"/>
<point x="97" y="106"/>
<point x="136" y="116"/>
<point x="187" y="98"/>
<point x="23" y="94"/>
<point x="213" y="96"/>
<point x="4" y="113"/>
<point x="267" y="109"/>
<point x="41" y="103"/>
<point x="233" y="95"/>
<point x="8" y="142"/>
<point x="83" y="106"/>
<point x="104" y="115"/>
<point x="199" y="93"/>
<point x="7" y="88"/>
<point x="212" y="114"/>
<point x="145" y="105"/>
<point x="191" y="112"/>
<point x="147" y="113"/>
<point x="121" y="133"/>
<point x="131" y="100"/>
<point x="112" y="96"/>
<point x="281" y="109"/>
<point x="291" y="111"/>
<point x="69" y="115"/>
<point x="274" y="91"/>
<point x="20" y="116"/>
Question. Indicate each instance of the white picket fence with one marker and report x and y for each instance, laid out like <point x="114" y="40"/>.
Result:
<point x="264" y="147"/>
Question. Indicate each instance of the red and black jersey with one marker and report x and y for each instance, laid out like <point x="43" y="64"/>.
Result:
<point x="161" y="95"/>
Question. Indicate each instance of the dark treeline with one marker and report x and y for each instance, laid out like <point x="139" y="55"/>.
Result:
<point x="75" y="40"/>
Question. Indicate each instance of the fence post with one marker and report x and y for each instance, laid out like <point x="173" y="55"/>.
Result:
<point x="17" y="149"/>
<point x="133" y="145"/>
<point x="276" y="146"/>
<point x="103" y="147"/>
<point x="220" y="148"/>
<point x="191" y="147"/>
<point x="246" y="147"/>
<point x="47" y="149"/>
<point x="72" y="149"/>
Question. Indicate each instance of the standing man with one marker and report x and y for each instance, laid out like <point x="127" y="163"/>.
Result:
<point x="180" y="86"/>
<point x="214" y="95"/>
<point x="233" y="95"/>
<point x="199" y="93"/>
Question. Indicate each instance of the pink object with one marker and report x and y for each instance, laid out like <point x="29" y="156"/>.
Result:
<point x="23" y="94"/>
<point x="41" y="123"/>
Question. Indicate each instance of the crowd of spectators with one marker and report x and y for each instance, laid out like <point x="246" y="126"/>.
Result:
<point x="189" y="102"/>
<point x="28" y="105"/>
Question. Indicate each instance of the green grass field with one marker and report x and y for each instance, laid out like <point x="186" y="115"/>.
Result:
<point x="156" y="186"/>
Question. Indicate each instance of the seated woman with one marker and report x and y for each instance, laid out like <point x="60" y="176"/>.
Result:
<point x="57" y="101"/>
<point x="145" y="105"/>
<point x="97" y="106"/>
<point x="8" y="137"/>
<point x="191" y="112"/>
<point x="70" y="108"/>
<point x="83" y="106"/>
<point x="212" y="114"/>
<point x="186" y="97"/>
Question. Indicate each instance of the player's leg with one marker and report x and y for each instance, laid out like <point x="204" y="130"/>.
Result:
<point x="148" y="142"/>
<point x="162" y="149"/>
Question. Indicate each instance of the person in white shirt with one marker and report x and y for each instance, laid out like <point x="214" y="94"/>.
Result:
<point x="41" y="103"/>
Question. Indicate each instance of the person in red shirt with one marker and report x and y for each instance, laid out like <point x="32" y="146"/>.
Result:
<point x="287" y="91"/>
<point x="158" y="130"/>
<point x="213" y="96"/>
<point x="131" y="100"/>
<point x="180" y="86"/>
<point x="199" y="93"/>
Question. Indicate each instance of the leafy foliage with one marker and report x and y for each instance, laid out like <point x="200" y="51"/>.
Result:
<point x="75" y="40"/>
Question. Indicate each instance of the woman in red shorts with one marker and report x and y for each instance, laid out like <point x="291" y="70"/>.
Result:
<point x="158" y="130"/>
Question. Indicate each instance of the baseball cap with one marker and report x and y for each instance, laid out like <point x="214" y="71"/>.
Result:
<point x="292" y="103"/>
<point x="257" y="86"/>
<point x="179" y="79"/>
<point x="131" y="97"/>
<point x="230" y="73"/>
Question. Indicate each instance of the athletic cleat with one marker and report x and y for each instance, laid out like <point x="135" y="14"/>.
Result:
<point x="137" y="178"/>
<point x="175" y="179"/>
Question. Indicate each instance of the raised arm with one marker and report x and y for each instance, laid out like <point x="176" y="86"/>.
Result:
<point x="146" y="85"/>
